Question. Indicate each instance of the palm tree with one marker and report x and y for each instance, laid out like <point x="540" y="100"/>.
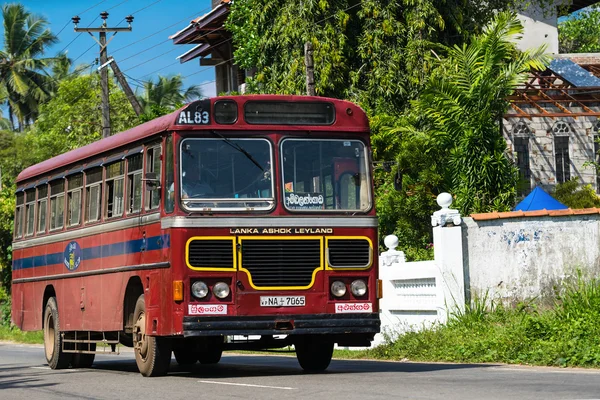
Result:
<point x="463" y="104"/>
<point x="167" y="93"/>
<point x="62" y="65"/>
<point x="22" y="78"/>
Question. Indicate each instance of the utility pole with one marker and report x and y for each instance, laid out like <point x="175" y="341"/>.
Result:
<point x="126" y="88"/>
<point x="103" y="61"/>
<point x="310" y="69"/>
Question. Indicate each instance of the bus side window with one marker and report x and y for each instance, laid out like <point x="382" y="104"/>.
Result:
<point x="29" y="212"/>
<point x="57" y="204"/>
<point x="42" y="208"/>
<point x="134" y="183"/>
<point x="19" y="215"/>
<point x="93" y="189"/>
<point x="74" y="186"/>
<point x="168" y="190"/>
<point x="113" y="189"/>
<point x="153" y="165"/>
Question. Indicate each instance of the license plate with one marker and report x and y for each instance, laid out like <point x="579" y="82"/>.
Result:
<point x="282" y="301"/>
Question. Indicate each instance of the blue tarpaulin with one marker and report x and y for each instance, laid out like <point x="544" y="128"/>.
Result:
<point x="538" y="199"/>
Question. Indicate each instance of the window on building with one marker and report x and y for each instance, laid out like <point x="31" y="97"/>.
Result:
<point x="134" y="183"/>
<point x="42" y="208"/>
<point x="29" y="212"/>
<point x="562" y="159"/>
<point x="521" y="134"/>
<point x="19" y="215"/>
<point x="93" y="191"/>
<point x="153" y="165"/>
<point x="57" y="204"/>
<point x="113" y="189"/>
<point x="75" y="187"/>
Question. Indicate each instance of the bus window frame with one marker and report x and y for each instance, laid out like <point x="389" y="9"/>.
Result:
<point x="19" y="218"/>
<point x="105" y="184"/>
<point x="29" y="210"/>
<point x="368" y="176"/>
<point x="39" y="200"/>
<point x="272" y="158"/>
<point x="70" y="192"/>
<point x="88" y="192"/>
<point x="56" y="196"/>
<point x="131" y="185"/>
<point x="147" y="192"/>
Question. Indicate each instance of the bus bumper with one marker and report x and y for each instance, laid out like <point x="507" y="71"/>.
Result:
<point x="320" y="324"/>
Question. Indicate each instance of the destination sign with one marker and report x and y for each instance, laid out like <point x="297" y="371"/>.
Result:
<point x="196" y="113"/>
<point x="280" y="231"/>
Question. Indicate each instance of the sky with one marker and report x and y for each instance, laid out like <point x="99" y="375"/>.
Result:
<point x="140" y="56"/>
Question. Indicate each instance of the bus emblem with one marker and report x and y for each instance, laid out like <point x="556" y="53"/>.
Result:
<point x="72" y="256"/>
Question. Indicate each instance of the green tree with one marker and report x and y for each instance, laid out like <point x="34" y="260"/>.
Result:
<point x="580" y="33"/>
<point x="62" y="68"/>
<point x="22" y="79"/>
<point x="463" y="103"/>
<point x="72" y="118"/>
<point x="574" y="195"/>
<point x="167" y="93"/>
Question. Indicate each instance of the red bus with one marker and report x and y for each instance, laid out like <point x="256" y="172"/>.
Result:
<point x="242" y="222"/>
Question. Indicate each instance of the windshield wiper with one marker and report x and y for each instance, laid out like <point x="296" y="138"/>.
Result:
<point x="240" y="149"/>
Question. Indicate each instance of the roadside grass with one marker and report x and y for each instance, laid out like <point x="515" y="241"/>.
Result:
<point x="566" y="335"/>
<point x="16" y="335"/>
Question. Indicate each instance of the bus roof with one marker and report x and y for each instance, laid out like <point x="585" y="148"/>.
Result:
<point x="169" y="122"/>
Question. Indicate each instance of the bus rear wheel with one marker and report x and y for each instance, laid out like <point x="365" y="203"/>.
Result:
<point x="212" y="356"/>
<point x="152" y="353"/>
<point x="53" y="341"/>
<point x="314" y="352"/>
<point x="185" y="357"/>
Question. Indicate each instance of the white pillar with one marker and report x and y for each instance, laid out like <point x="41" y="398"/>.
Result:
<point x="448" y="255"/>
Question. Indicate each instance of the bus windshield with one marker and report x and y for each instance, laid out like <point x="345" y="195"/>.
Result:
<point x="226" y="174"/>
<point x="328" y="175"/>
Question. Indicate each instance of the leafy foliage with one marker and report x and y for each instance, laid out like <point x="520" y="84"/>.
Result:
<point x="5" y="305"/>
<point x="463" y="102"/>
<point x="580" y="33"/>
<point x="167" y="93"/>
<point x="22" y="79"/>
<point x="574" y="195"/>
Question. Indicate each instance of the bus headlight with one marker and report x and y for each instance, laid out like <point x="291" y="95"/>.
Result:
<point x="338" y="288"/>
<point x="221" y="290"/>
<point x="358" y="288"/>
<point x="199" y="289"/>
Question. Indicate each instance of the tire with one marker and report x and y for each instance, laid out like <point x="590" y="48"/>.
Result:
<point x="314" y="352"/>
<point x="185" y="357"/>
<point x="152" y="353"/>
<point x="212" y="356"/>
<point x="53" y="343"/>
<point x="81" y="360"/>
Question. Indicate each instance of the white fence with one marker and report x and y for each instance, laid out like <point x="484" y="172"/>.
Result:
<point x="418" y="294"/>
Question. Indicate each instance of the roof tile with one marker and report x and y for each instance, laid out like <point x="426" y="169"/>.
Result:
<point x="485" y="216"/>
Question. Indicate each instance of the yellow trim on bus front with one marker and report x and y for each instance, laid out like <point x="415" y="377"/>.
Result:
<point x="297" y="238"/>
<point x="187" y="253"/>
<point x="330" y="268"/>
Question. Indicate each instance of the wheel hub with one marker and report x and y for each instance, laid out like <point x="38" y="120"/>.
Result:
<point x="140" y="343"/>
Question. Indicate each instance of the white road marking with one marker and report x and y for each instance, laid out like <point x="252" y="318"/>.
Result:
<point x="249" y="385"/>
<point x="50" y="369"/>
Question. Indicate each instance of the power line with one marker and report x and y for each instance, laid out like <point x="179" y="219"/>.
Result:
<point x="141" y="9"/>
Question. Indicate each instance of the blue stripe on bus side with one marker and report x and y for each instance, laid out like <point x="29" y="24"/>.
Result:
<point x="90" y="253"/>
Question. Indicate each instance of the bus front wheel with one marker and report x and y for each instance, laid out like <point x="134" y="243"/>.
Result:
<point x="152" y="353"/>
<point x="53" y="341"/>
<point x="314" y="352"/>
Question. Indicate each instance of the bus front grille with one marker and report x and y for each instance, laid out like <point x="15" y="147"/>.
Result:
<point x="349" y="253"/>
<point x="281" y="263"/>
<point x="211" y="253"/>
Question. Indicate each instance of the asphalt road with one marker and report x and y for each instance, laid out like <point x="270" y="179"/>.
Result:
<point x="24" y="375"/>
